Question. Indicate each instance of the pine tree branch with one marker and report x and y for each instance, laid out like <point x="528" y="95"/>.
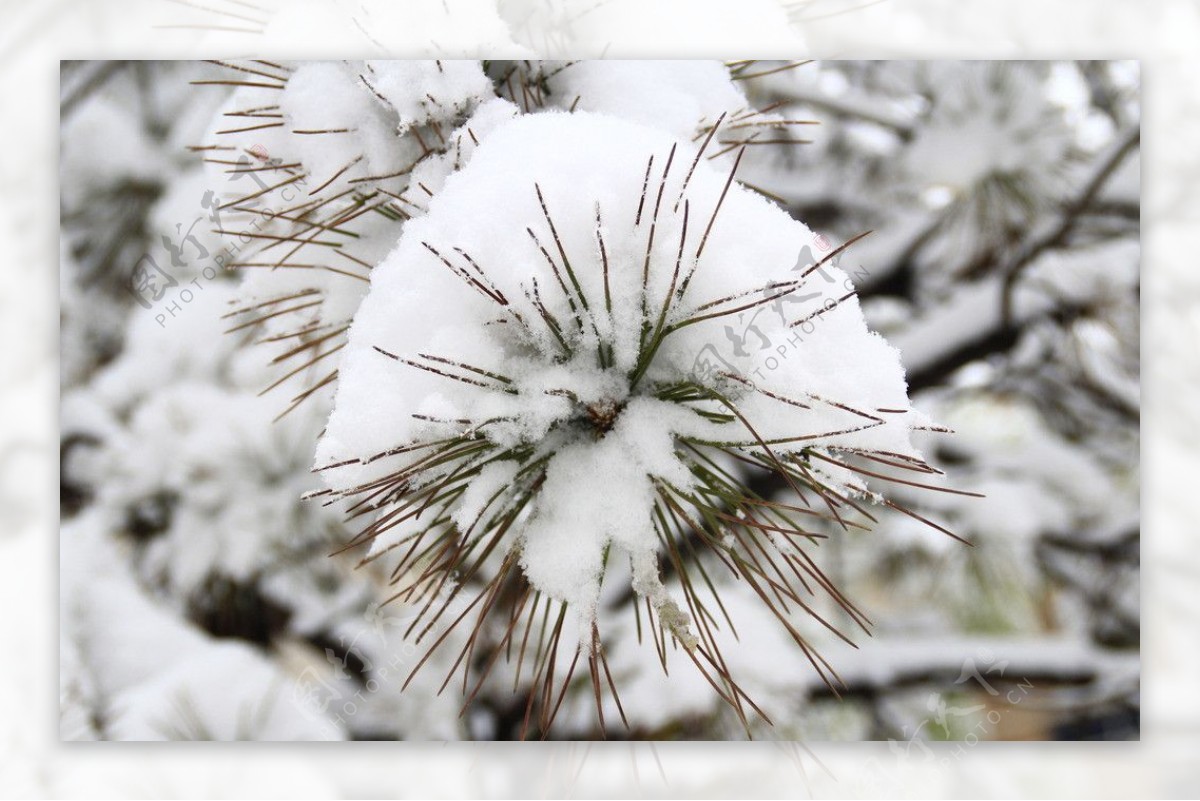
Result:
<point x="1056" y="233"/>
<point x="860" y="108"/>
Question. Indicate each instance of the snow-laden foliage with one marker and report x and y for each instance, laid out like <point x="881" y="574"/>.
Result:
<point x="195" y="688"/>
<point x="531" y="375"/>
<point x="581" y="384"/>
<point x="318" y="158"/>
<point x="325" y="161"/>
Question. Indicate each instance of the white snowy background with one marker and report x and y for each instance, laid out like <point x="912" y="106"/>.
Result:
<point x="893" y="29"/>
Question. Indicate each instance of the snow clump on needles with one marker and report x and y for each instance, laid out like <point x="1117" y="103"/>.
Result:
<point x="539" y="399"/>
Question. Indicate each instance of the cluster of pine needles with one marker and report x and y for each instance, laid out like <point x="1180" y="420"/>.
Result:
<point x="316" y="231"/>
<point x="718" y="529"/>
<point x="444" y="569"/>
